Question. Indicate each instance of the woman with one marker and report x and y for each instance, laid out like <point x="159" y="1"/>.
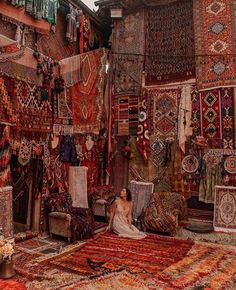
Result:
<point x="121" y="217"/>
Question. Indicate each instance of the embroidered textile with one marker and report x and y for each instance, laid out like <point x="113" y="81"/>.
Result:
<point x="225" y="209"/>
<point x="126" y="115"/>
<point x="25" y="151"/>
<point x="213" y="117"/>
<point x="163" y="111"/>
<point x="169" y="42"/>
<point x="62" y="109"/>
<point x="214" y="24"/>
<point x="87" y="96"/>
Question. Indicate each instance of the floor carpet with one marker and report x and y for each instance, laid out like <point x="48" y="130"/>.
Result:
<point x="110" y="262"/>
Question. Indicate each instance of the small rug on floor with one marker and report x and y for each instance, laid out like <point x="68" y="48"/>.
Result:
<point x="212" y="237"/>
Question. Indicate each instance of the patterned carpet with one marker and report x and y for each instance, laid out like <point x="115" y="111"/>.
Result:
<point x="110" y="262"/>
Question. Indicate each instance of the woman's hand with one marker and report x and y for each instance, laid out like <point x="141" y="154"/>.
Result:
<point x="108" y="229"/>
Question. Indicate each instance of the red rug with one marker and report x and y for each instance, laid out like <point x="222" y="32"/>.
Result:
<point x="87" y="94"/>
<point x="109" y="252"/>
<point x="11" y="285"/>
<point x="205" y="267"/>
<point x="214" y="24"/>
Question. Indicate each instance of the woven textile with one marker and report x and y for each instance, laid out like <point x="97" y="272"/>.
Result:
<point x="70" y="70"/>
<point x="128" y="46"/>
<point x="128" y="74"/>
<point x="225" y="209"/>
<point x="126" y="115"/>
<point x="108" y="252"/>
<point x="87" y="95"/>
<point x="34" y="113"/>
<point x="78" y="186"/>
<point x="62" y="108"/>
<point x="6" y="215"/>
<point x="169" y="42"/>
<point x="141" y="194"/>
<point x="205" y="267"/>
<point x="120" y="280"/>
<point x="213" y="116"/>
<point x="163" y="111"/>
<point x="214" y="23"/>
<point x="10" y="52"/>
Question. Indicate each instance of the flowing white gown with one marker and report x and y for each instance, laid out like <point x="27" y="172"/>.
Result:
<point x="121" y="224"/>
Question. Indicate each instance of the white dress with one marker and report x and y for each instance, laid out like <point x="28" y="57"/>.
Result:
<point x="121" y="225"/>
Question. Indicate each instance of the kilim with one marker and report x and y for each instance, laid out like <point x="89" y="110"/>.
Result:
<point x="215" y="37"/>
<point x="126" y="115"/>
<point x="34" y="113"/>
<point x="169" y="42"/>
<point x="111" y="253"/>
<point x="225" y="209"/>
<point x="163" y="111"/>
<point x="213" y="116"/>
<point x="87" y="95"/>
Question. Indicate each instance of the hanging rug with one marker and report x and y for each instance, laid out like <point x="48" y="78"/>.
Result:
<point x="190" y="163"/>
<point x="230" y="164"/>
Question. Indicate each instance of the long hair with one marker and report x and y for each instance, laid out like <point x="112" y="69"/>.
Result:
<point x="128" y="195"/>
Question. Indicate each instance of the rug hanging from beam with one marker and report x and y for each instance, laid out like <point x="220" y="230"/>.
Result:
<point x="215" y="34"/>
<point x="169" y="43"/>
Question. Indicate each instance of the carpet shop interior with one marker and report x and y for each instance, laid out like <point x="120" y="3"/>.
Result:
<point x="117" y="145"/>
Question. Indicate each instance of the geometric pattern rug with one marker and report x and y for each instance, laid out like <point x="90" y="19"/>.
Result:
<point x="214" y="24"/>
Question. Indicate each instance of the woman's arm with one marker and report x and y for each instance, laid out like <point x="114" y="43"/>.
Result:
<point x="130" y="214"/>
<point x="112" y="213"/>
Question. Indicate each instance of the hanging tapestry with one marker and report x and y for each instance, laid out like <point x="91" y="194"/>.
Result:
<point x="7" y="113"/>
<point x="127" y="74"/>
<point x="128" y="47"/>
<point x="87" y="95"/>
<point x="126" y="115"/>
<point x="225" y="209"/>
<point x="213" y="116"/>
<point x="5" y="156"/>
<point x="214" y="23"/>
<point x="143" y="141"/>
<point x="34" y="112"/>
<point x="62" y="108"/>
<point x="128" y="34"/>
<point x="70" y="70"/>
<point x="163" y="111"/>
<point x="169" y="42"/>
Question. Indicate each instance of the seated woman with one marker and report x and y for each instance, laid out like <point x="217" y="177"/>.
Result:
<point x="121" y="217"/>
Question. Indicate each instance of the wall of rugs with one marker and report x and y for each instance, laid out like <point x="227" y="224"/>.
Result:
<point x="52" y="102"/>
<point x="184" y="95"/>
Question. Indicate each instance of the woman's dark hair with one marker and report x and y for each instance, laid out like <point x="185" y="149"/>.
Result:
<point x="128" y="195"/>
